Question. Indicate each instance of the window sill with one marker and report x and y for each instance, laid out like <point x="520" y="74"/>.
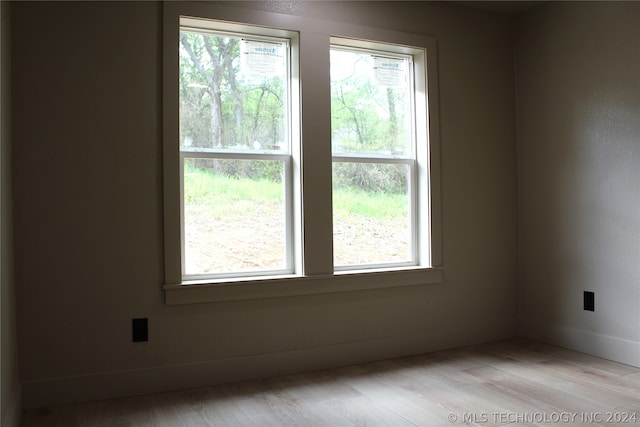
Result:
<point x="193" y="292"/>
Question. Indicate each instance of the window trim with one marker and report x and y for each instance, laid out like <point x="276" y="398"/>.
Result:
<point x="207" y="291"/>
<point x="315" y="271"/>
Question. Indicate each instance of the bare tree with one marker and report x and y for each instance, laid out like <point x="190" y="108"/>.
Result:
<point x="221" y="57"/>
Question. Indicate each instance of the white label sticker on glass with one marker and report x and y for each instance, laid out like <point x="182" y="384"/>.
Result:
<point x="261" y="57"/>
<point x="390" y="71"/>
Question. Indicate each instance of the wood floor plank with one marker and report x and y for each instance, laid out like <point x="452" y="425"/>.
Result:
<point x="571" y="384"/>
<point x="544" y="398"/>
<point x="51" y="417"/>
<point x="594" y="376"/>
<point x="577" y="358"/>
<point x="311" y="398"/>
<point x="513" y="382"/>
<point x="174" y="409"/>
<point x="362" y="411"/>
<point x="390" y="394"/>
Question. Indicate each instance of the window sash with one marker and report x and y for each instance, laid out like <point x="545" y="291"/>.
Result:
<point x="379" y="50"/>
<point x="412" y="194"/>
<point x="288" y="215"/>
<point x="288" y="76"/>
<point x="192" y="25"/>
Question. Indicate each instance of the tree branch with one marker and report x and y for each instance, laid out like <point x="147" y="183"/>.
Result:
<point x="194" y="58"/>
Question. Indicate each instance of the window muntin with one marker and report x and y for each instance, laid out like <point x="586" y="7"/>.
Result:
<point x="375" y="208"/>
<point x="235" y="154"/>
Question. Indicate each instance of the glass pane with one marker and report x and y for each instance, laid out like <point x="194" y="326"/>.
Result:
<point x="371" y="214"/>
<point x="233" y="93"/>
<point x="370" y="104"/>
<point x="234" y="216"/>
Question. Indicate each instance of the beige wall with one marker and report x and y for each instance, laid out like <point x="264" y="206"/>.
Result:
<point x="9" y="383"/>
<point x="578" y="73"/>
<point x="88" y="212"/>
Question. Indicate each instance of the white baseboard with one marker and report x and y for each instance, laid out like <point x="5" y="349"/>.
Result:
<point x="11" y="415"/>
<point x="605" y="346"/>
<point x="105" y="385"/>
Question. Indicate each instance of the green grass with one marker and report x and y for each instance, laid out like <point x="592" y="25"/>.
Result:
<point x="200" y="185"/>
<point x="352" y="201"/>
<point x="223" y="195"/>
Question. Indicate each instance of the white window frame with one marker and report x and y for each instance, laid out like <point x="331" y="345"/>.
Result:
<point x="213" y="27"/>
<point x="418" y="158"/>
<point x="311" y="164"/>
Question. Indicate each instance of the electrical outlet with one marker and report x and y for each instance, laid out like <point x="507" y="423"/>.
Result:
<point x="140" y="330"/>
<point x="589" y="301"/>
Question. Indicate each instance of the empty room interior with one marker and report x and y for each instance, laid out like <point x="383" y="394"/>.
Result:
<point x="516" y="299"/>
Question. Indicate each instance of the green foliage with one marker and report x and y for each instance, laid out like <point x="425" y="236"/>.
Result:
<point x="238" y="169"/>
<point x="366" y="117"/>
<point x="354" y="120"/>
<point x="223" y="195"/>
<point x="351" y="201"/>
<point x="378" y="178"/>
<point x="222" y="106"/>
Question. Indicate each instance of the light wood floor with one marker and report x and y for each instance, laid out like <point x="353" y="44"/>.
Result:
<point x="518" y="382"/>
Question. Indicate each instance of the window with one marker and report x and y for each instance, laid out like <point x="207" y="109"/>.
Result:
<point x="296" y="161"/>
<point x="374" y="153"/>
<point x="235" y="152"/>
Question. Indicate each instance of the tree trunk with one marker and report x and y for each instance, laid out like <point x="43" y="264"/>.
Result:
<point x="393" y="121"/>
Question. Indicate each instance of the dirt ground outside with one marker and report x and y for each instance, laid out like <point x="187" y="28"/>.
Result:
<point x="255" y="241"/>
